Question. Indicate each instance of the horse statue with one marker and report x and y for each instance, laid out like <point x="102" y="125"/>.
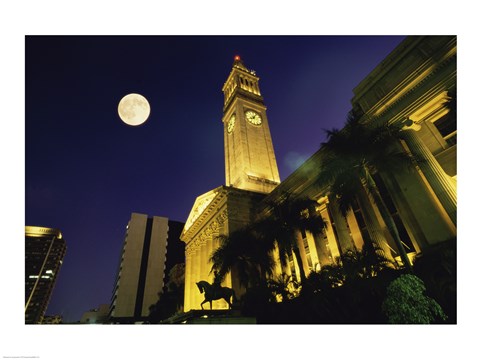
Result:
<point x="215" y="293"/>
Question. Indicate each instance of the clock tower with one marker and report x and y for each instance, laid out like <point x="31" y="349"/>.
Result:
<point x="251" y="173"/>
<point x="250" y="162"/>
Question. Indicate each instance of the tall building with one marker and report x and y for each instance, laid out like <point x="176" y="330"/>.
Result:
<point x="144" y="264"/>
<point x="415" y="86"/>
<point x="251" y="172"/>
<point x="250" y="162"/>
<point x="44" y="252"/>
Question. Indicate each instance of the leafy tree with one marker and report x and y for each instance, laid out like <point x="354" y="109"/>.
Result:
<point x="352" y="156"/>
<point x="406" y="302"/>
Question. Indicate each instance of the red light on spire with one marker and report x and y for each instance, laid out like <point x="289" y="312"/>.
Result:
<point x="237" y="57"/>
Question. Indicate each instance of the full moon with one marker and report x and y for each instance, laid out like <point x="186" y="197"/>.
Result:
<point x="133" y="109"/>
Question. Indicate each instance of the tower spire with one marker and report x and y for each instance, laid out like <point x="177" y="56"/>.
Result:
<point x="238" y="63"/>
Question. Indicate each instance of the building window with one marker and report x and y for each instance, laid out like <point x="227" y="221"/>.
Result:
<point x="447" y="124"/>
<point x="447" y="127"/>
<point x="304" y="235"/>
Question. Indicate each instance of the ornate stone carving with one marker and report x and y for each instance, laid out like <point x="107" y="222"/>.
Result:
<point x="207" y="234"/>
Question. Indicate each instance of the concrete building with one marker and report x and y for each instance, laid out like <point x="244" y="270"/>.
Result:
<point x="143" y="266"/>
<point x="44" y="252"/>
<point x="415" y="85"/>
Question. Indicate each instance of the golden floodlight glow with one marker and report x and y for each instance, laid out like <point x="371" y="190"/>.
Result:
<point x="133" y="109"/>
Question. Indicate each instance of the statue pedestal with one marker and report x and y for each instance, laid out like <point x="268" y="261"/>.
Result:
<point x="210" y="317"/>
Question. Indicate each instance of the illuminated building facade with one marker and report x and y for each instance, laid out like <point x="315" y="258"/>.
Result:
<point x="251" y="172"/>
<point x="44" y="252"/>
<point x="250" y="162"/>
<point x="414" y="85"/>
<point x="143" y="266"/>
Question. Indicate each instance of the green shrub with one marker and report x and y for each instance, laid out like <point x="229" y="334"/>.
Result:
<point x="406" y="302"/>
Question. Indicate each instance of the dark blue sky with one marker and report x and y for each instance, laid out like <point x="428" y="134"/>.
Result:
<point x="86" y="171"/>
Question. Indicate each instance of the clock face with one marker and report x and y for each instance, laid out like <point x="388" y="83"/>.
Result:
<point x="231" y="124"/>
<point x="253" y="117"/>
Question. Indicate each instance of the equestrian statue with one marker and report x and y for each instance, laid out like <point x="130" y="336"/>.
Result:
<point x="215" y="292"/>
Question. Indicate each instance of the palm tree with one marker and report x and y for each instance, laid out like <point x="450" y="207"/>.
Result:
<point x="284" y="287"/>
<point x="348" y="268"/>
<point x="245" y="252"/>
<point x="352" y="157"/>
<point x="281" y="225"/>
<point x="330" y="276"/>
<point x="364" y="264"/>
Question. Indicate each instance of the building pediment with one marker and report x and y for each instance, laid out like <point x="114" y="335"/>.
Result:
<point x="201" y="208"/>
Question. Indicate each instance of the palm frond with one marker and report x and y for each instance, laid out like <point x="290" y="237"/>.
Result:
<point x="355" y="153"/>
<point x="243" y="251"/>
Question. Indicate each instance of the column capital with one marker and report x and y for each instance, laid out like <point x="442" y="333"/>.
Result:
<point x="409" y="124"/>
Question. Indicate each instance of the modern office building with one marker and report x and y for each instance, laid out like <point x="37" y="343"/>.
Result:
<point x="415" y="86"/>
<point x="151" y="248"/>
<point x="44" y="252"/>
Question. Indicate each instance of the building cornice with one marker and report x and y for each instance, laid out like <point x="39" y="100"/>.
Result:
<point x="245" y="95"/>
<point x="38" y="231"/>
<point x="375" y="96"/>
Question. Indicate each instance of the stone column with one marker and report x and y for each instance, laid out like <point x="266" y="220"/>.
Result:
<point x="321" y="246"/>
<point x="440" y="182"/>
<point x="355" y="232"/>
<point x="296" y="267"/>
<point x="278" y="270"/>
<point x="197" y="296"/>
<point x="303" y="254"/>
<point x="373" y="225"/>
<point x="345" y="241"/>
<point x="191" y="283"/>
<point x="203" y="260"/>
<point x="332" y="247"/>
<point x="188" y="276"/>
<point x="209" y="250"/>
<point x="313" y="251"/>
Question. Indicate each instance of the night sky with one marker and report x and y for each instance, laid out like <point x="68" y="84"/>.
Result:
<point x="69" y="162"/>
<point x="86" y="171"/>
